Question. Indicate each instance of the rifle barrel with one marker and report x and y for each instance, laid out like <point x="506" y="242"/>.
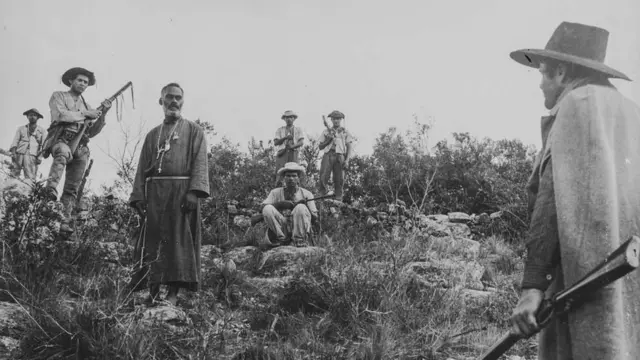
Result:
<point x="622" y="261"/>
<point x="500" y="347"/>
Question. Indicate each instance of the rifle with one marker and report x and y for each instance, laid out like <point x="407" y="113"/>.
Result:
<point x="326" y="124"/>
<point x="74" y="144"/>
<point x="284" y="150"/>
<point x="256" y="218"/>
<point x="84" y="182"/>
<point x="618" y="264"/>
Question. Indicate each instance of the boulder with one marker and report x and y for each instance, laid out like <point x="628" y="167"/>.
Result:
<point x="465" y="248"/>
<point x="458" y="217"/>
<point x="482" y="219"/>
<point x="269" y="286"/>
<point x="458" y="230"/>
<point x="229" y="269"/>
<point x="12" y="318"/>
<point x="286" y="258"/>
<point x="445" y="273"/>
<point x="470" y="248"/>
<point x="243" y="256"/>
<point x="432" y="227"/>
<point x="165" y="313"/>
<point x="241" y="221"/>
<point x="439" y="218"/>
<point x="478" y="296"/>
<point x="9" y="348"/>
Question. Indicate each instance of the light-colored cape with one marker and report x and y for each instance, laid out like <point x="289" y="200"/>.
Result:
<point x="594" y="144"/>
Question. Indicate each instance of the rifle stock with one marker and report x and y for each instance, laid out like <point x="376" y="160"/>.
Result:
<point x="619" y="263"/>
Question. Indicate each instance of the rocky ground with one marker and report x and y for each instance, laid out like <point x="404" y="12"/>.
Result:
<point x="344" y="296"/>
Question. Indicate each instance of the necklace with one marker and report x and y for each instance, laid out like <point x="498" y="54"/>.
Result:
<point x="167" y="143"/>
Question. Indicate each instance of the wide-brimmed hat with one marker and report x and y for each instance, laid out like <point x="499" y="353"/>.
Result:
<point x="71" y="74"/>
<point x="34" y="111"/>
<point x="574" y="43"/>
<point x="291" y="166"/>
<point x="289" y="113"/>
<point x="335" y="114"/>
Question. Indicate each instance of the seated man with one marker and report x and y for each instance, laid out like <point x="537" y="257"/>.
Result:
<point x="286" y="211"/>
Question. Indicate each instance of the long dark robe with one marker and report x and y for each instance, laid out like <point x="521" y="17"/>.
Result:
<point x="170" y="247"/>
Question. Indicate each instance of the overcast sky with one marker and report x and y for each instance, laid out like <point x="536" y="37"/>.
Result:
<point x="243" y="63"/>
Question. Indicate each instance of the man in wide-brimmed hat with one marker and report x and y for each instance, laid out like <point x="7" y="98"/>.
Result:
<point x="585" y="199"/>
<point x="26" y="146"/>
<point x="336" y="143"/>
<point x="69" y="110"/>
<point x="288" y="141"/>
<point x="286" y="210"/>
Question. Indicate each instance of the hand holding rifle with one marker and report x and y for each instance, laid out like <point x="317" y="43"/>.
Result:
<point x="288" y="205"/>
<point x="618" y="264"/>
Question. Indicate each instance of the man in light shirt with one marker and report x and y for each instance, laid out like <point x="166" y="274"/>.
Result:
<point x="286" y="210"/>
<point x="336" y="143"/>
<point x="288" y="141"/>
<point x="26" y="146"/>
<point x="68" y="113"/>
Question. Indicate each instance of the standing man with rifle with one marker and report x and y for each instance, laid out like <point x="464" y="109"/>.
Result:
<point x="336" y="142"/>
<point x="585" y="203"/>
<point x="68" y="137"/>
<point x="26" y="146"/>
<point x="289" y="140"/>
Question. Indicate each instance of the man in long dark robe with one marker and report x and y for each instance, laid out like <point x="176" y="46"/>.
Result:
<point x="172" y="176"/>
<point x="585" y="199"/>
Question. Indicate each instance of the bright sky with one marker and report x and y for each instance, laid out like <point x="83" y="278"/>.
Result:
<point x="243" y="63"/>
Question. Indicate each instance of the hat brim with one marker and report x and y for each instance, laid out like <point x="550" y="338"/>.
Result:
<point x="283" y="171"/>
<point x="533" y="57"/>
<point x="26" y="113"/>
<point x="293" y="116"/>
<point x="71" y="74"/>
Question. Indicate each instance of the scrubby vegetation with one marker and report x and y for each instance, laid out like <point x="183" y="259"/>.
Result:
<point x="373" y="287"/>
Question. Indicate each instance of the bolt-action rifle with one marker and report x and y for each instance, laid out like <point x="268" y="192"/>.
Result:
<point x="55" y="130"/>
<point x="259" y="217"/>
<point x="618" y="264"/>
<point x="74" y="144"/>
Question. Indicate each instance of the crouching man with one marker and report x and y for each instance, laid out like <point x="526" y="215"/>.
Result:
<point x="287" y="212"/>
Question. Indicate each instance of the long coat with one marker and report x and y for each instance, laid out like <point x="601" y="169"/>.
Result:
<point x="594" y="145"/>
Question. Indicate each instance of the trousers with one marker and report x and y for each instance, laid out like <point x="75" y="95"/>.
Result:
<point x="25" y="163"/>
<point x="332" y="163"/>
<point x="298" y="224"/>
<point x="75" y="165"/>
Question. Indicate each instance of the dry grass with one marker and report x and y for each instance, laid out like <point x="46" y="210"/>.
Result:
<point x="354" y="304"/>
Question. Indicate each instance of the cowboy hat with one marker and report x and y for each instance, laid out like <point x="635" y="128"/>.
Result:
<point x="291" y="166"/>
<point x="34" y="111"/>
<point x="289" y="113"/>
<point x="71" y="74"/>
<point x="335" y="114"/>
<point x="574" y="43"/>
